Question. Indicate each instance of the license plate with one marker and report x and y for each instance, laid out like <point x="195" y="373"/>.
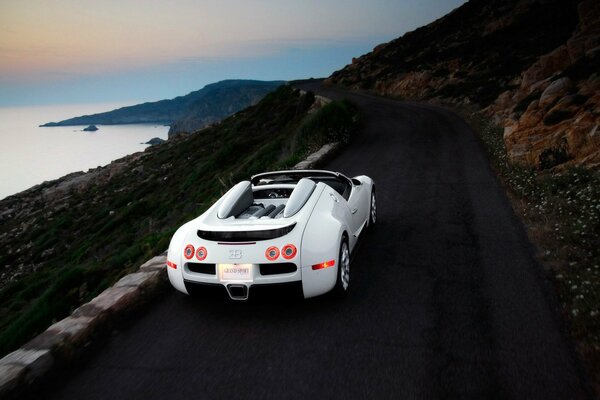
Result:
<point x="236" y="272"/>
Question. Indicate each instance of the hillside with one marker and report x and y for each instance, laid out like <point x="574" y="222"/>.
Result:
<point x="526" y="76"/>
<point x="62" y="242"/>
<point x="532" y="65"/>
<point x="188" y="113"/>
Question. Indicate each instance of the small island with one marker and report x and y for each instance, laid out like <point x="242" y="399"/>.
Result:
<point x="90" y="128"/>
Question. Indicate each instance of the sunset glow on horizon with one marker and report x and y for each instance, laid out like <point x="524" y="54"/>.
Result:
<point x="68" y="42"/>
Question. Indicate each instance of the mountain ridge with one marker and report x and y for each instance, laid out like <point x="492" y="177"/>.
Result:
<point x="530" y="65"/>
<point x="187" y="113"/>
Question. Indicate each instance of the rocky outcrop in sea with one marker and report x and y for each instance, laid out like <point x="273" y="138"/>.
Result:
<point x="90" y="128"/>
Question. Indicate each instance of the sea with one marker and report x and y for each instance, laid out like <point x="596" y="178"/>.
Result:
<point x="30" y="155"/>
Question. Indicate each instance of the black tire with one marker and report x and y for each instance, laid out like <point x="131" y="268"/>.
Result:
<point x="373" y="208"/>
<point x="342" y="282"/>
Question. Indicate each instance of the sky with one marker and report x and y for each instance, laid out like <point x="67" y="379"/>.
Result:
<point x="84" y="51"/>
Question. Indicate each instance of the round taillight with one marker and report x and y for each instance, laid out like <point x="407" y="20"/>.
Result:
<point x="288" y="251"/>
<point x="201" y="253"/>
<point x="272" y="253"/>
<point x="188" y="252"/>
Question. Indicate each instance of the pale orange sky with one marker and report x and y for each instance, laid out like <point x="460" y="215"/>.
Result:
<point x="42" y="41"/>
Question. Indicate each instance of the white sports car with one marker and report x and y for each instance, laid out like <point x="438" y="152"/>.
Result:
<point x="281" y="228"/>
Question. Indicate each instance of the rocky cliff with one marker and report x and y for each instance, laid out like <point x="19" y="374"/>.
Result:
<point x="552" y="116"/>
<point x="188" y="113"/>
<point x="532" y="65"/>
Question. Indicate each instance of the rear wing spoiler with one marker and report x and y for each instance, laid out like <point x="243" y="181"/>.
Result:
<point x="291" y="176"/>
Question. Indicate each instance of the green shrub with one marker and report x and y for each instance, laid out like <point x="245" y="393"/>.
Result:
<point x="333" y="123"/>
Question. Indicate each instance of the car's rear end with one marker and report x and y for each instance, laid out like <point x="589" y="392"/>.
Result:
<point x="241" y="254"/>
<point x="262" y="236"/>
<point x="237" y="259"/>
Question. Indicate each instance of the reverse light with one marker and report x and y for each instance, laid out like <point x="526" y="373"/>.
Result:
<point x="272" y="253"/>
<point x="201" y="253"/>
<point x="323" y="265"/>
<point x="171" y="264"/>
<point x="188" y="252"/>
<point x="288" y="251"/>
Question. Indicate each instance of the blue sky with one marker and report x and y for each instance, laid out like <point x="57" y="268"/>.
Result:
<point x="68" y="51"/>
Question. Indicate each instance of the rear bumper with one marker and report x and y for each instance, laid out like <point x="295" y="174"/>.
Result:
<point x="264" y="275"/>
<point x="273" y="291"/>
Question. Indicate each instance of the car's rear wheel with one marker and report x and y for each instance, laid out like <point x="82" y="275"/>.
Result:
<point x="373" y="210"/>
<point x="342" y="283"/>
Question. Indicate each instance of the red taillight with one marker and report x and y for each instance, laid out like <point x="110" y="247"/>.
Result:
<point x="272" y="253"/>
<point x="188" y="252"/>
<point x="288" y="251"/>
<point x="171" y="264"/>
<point x="201" y="253"/>
<point x="325" y="264"/>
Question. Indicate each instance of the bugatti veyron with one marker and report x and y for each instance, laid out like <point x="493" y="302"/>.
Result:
<point x="295" y="228"/>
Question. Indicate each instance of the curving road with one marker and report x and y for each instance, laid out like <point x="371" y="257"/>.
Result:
<point x="447" y="301"/>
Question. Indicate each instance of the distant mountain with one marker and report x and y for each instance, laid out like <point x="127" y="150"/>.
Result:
<point x="188" y="113"/>
<point x="531" y="65"/>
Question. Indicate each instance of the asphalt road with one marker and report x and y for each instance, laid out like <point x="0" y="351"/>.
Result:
<point x="446" y="302"/>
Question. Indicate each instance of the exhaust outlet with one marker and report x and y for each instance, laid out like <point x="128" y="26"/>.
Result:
<point x="238" y="292"/>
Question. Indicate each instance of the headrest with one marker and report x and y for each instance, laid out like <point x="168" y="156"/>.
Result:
<point x="236" y="200"/>
<point x="299" y="197"/>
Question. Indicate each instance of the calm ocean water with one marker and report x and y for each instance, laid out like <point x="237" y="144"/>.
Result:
<point x="30" y="155"/>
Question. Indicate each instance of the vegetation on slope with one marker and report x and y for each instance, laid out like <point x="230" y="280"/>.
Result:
<point x="61" y="248"/>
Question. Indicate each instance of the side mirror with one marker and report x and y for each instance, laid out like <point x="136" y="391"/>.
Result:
<point x="356" y="182"/>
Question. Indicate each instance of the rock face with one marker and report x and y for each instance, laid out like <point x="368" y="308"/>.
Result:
<point x="90" y="128"/>
<point x="531" y="65"/>
<point x="187" y="113"/>
<point x="551" y="119"/>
